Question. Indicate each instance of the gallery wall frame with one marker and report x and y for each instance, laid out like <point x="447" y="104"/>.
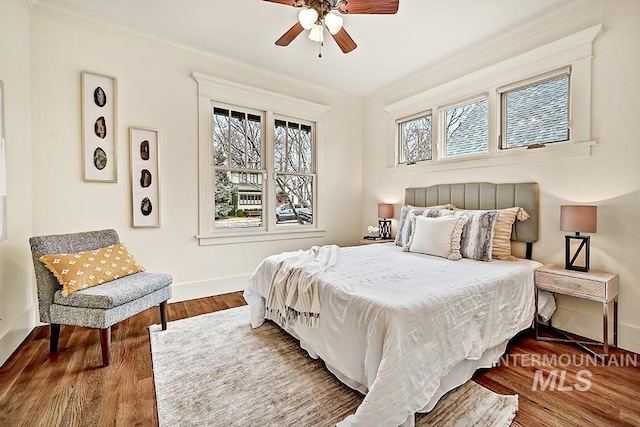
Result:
<point x="3" y="170"/>
<point x="145" y="178"/>
<point x="99" y="120"/>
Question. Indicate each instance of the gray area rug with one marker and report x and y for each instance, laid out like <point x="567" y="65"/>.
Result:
<point x="214" y="370"/>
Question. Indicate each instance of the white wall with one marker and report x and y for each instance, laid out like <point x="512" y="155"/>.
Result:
<point x="609" y="178"/>
<point x="155" y="89"/>
<point x="16" y="288"/>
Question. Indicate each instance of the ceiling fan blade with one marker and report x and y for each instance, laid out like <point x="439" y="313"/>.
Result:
<point x="291" y="34"/>
<point x="344" y="40"/>
<point x="376" y="7"/>
<point x="296" y="3"/>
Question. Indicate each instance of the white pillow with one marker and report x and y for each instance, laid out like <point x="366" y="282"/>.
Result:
<point x="437" y="236"/>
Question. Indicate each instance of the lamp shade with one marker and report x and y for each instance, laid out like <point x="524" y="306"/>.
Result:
<point x="307" y="17"/>
<point x="317" y="33"/>
<point x="333" y="22"/>
<point x="578" y="218"/>
<point x="385" y="210"/>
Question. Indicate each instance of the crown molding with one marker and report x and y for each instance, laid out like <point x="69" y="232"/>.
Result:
<point x="510" y="41"/>
<point x="238" y="70"/>
<point x="29" y="4"/>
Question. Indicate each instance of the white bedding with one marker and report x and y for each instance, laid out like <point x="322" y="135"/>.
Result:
<point x="393" y="324"/>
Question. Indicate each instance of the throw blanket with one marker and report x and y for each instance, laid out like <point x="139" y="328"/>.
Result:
<point x="294" y="294"/>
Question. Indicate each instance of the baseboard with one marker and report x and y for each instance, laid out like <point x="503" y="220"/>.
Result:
<point x="590" y="326"/>
<point x="207" y="288"/>
<point x="16" y="333"/>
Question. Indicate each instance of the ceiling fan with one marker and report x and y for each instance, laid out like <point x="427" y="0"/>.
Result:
<point x="318" y="14"/>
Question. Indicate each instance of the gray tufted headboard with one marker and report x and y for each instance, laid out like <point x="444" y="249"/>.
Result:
<point x="485" y="195"/>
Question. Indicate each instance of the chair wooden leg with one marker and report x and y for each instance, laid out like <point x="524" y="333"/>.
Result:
<point x="105" y="343"/>
<point x="55" y="335"/>
<point x="163" y="315"/>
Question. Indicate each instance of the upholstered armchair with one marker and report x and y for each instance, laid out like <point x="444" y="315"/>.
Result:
<point x="100" y="306"/>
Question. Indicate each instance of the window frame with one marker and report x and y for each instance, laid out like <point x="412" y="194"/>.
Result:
<point x="574" y="50"/>
<point x="232" y="169"/>
<point x="214" y="91"/>
<point x="523" y="84"/>
<point x="442" y="134"/>
<point x="312" y="174"/>
<point x="400" y="122"/>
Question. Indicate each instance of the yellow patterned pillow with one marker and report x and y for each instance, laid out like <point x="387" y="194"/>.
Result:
<point x="502" y="235"/>
<point x="91" y="268"/>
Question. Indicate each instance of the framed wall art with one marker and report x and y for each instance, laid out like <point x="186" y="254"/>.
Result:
<point x="145" y="185"/>
<point x="99" y="102"/>
<point x="3" y="171"/>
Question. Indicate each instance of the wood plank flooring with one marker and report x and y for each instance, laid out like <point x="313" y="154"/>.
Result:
<point x="72" y="388"/>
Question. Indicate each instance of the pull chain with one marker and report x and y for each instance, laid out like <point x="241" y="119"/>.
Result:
<point x="320" y="49"/>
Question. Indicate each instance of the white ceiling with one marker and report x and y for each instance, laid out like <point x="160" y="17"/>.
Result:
<point x="389" y="46"/>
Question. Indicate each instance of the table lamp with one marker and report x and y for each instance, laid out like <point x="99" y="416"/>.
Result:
<point x="385" y="210"/>
<point x="579" y="219"/>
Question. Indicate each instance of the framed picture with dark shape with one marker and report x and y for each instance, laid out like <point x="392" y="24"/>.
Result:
<point x="3" y="171"/>
<point x="145" y="185"/>
<point x="99" y="101"/>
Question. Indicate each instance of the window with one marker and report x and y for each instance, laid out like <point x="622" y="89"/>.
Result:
<point x="415" y="139"/>
<point x="237" y="164"/>
<point x="538" y="98"/>
<point x="466" y="128"/>
<point x="293" y="162"/>
<point x="536" y="113"/>
<point x="256" y="165"/>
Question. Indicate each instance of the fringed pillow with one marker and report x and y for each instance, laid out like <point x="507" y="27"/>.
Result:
<point x="502" y="234"/>
<point x="477" y="235"/>
<point x="437" y="236"/>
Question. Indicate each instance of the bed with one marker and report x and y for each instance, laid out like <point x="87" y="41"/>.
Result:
<point x="404" y="328"/>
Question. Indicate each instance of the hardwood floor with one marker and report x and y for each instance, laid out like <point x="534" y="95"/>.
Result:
<point x="72" y="388"/>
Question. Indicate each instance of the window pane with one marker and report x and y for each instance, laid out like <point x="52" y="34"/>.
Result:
<point x="537" y="114"/>
<point x="254" y="142"/>
<point x="415" y="140"/>
<point x="220" y="137"/>
<point x="238" y="199"/>
<point x="293" y="147"/>
<point x="294" y="199"/>
<point x="238" y="139"/>
<point x="467" y="129"/>
<point x="280" y="145"/>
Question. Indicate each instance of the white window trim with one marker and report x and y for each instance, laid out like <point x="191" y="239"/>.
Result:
<point x="501" y="91"/>
<point x="573" y="51"/>
<point x="441" y="150"/>
<point x="398" y="126"/>
<point x="212" y="90"/>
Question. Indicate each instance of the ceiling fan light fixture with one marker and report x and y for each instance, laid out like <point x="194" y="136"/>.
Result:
<point x="317" y="33"/>
<point x="307" y="18"/>
<point x="333" y="22"/>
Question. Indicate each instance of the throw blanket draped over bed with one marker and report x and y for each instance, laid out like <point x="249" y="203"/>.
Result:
<point x="294" y="293"/>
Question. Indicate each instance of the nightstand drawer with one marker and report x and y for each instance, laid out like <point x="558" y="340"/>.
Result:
<point x="568" y="285"/>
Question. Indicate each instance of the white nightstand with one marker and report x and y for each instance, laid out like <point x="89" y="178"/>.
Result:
<point x="371" y="242"/>
<point x="593" y="285"/>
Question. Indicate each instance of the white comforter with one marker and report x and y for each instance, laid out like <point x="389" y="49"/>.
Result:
<point x="393" y="323"/>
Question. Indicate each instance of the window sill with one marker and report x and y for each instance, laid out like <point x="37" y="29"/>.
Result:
<point x="514" y="156"/>
<point x="259" y="236"/>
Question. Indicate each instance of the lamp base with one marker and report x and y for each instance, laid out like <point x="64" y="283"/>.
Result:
<point x="569" y="260"/>
<point x="385" y="228"/>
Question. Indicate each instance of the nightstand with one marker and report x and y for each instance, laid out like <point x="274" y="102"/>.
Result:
<point x="371" y="242"/>
<point x="593" y="285"/>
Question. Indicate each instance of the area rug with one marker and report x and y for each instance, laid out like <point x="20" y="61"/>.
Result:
<point x="214" y="370"/>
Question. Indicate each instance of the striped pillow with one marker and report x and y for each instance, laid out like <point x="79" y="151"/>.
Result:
<point x="502" y="235"/>
<point x="477" y="235"/>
